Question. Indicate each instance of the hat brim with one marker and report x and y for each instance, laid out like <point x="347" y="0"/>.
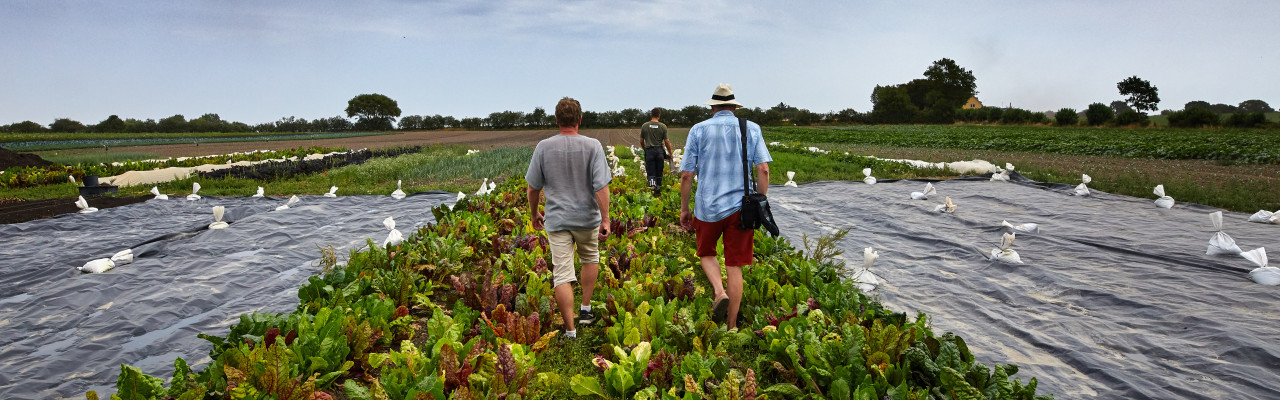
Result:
<point x="723" y="102"/>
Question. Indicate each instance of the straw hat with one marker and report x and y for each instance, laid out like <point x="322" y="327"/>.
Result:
<point x="723" y="95"/>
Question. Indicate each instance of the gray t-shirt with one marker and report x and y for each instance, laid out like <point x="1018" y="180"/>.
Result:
<point x="569" y="170"/>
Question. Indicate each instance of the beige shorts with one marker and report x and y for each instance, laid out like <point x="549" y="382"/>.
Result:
<point x="562" y="251"/>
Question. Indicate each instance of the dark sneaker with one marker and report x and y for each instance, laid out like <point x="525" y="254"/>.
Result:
<point x="586" y="317"/>
<point x="720" y="310"/>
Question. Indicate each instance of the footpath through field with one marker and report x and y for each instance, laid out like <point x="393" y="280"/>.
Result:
<point x="1116" y="298"/>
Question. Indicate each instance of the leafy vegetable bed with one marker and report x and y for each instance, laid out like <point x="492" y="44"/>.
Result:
<point x="283" y="169"/>
<point x="462" y="309"/>
<point x="1235" y="145"/>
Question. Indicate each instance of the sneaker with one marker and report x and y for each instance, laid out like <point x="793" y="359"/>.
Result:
<point x="720" y="310"/>
<point x="586" y="317"/>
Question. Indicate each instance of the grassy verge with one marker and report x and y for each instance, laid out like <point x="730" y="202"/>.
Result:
<point x="60" y="141"/>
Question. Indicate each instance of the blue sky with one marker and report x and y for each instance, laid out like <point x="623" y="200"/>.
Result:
<point x="258" y="61"/>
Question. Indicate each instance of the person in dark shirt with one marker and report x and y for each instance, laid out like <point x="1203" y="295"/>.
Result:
<point x="654" y="137"/>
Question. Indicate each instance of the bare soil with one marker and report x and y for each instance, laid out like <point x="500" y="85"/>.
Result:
<point x="10" y="159"/>
<point x="480" y="140"/>
<point x="15" y="211"/>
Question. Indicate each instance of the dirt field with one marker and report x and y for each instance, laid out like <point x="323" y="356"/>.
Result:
<point x="477" y="139"/>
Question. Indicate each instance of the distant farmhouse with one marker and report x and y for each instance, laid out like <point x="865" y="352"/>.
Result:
<point x="972" y="103"/>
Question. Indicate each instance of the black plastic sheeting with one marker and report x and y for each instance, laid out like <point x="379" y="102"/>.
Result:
<point x="63" y="332"/>
<point x="1116" y="298"/>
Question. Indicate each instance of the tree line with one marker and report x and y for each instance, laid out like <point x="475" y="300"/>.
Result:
<point x="938" y="97"/>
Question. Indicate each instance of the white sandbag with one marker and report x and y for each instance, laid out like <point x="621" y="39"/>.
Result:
<point x="97" y="266"/>
<point x="333" y="192"/>
<point x="218" y="211"/>
<point x="122" y="257"/>
<point x="947" y="207"/>
<point x="1001" y="176"/>
<point x="398" y="194"/>
<point x="159" y="196"/>
<point x="1085" y="178"/>
<point x="791" y="179"/>
<point x="870" y="180"/>
<point x="864" y="278"/>
<point x="460" y="197"/>
<point x="1024" y="228"/>
<point x="84" y="206"/>
<point x="1008" y="167"/>
<point x="1163" y="201"/>
<point x="292" y="200"/>
<point x="492" y="186"/>
<point x="393" y="238"/>
<point x="1005" y="253"/>
<point x="928" y="191"/>
<point x="1265" y="217"/>
<point x="195" y="188"/>
<point x="260" y="192"/>
<point x="1264" y="274"/>
<point x="472" y="151"/>
<point x="1083" y="188"/>
<point x="484" y="187"/>
<point x="1220" y="243"/>
<point x="72" y="178"/>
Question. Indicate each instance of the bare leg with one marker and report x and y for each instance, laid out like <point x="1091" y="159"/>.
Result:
<point x="564" y="300"/>
<point x="711" y="267"/>
<point x="589" y="274"/>
<point x="735" y="294"/>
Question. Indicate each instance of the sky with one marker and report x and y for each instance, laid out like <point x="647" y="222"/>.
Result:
<point x="259" y="61"/>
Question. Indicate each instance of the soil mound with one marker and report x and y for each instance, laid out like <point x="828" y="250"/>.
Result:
<point x="10" y="159"/>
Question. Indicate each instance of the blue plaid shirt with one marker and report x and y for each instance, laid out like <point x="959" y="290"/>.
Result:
<point x="713" y="151"/>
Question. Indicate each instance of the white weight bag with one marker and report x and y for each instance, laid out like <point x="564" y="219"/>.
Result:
<point x="195" y="188"/>
<point x="218" y="211"/>
<point x="259" y="193"/>
<point x="1220" y="243"/>
<point x="864" y="278"/>
<point x="791" y="179"/>
<point x="1005" y="253"/>
<point x="159" y="196"/>
<point x="394" y="237"/>
<point x="1083" y="188"/>
<point x="84" y="206"/>
<point x="398" y="194"/>
<point x="947" y="207"/>
<point x="870" y="180"/>
<point x="1264" y="274"/>
<point x="1265" y="217"/>
<point x="292" y="200"/>
<point x="1024" y="228"/>
<point x="97" y="266"/>
<point x="928" y="191"/>
<point x="333" y="192"/>
<point x="123" y="257"/>
<point x="484" y="186"/>
<point x="1163" y="201"/>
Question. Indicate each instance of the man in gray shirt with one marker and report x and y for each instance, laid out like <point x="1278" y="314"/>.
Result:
<point x="571" y="168"/>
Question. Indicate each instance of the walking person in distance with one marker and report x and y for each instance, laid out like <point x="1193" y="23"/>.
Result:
<point x="657" y="149"/>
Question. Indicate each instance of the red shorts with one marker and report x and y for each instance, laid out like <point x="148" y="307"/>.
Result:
<point x="738" y="244"/>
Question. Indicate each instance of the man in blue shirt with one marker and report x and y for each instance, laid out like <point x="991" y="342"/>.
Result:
<point x="713" y="151"/>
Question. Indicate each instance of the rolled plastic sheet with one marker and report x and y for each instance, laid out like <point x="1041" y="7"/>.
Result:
<point x="1115" y="299"/>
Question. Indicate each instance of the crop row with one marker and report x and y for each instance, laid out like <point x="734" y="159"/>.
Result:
<point x="462" y="309"/>
<point x="1234" y="145"/>
<point x="43" y="175"/>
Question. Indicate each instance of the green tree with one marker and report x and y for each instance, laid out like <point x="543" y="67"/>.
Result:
<point x="1195" y="104"/>
<point x="1132" y="118"/>
<point x="373" y="111"/>
<point x="176" y="123"/>
<point x="1067" y="117"/>
<point x="956" y="83"/>
<point x="27" y="127"/>
<point x="1140" y="94"/>
<point x="1255" y="106"/>
<point x="891" y="105"/>
<point x="1098" y="114"/>
<point x="1194" y="117"/>
<point x="410" y="122"/>
<point x="66" y="125"/>
<point x="1245" y="119"/>
<point x="1120" y="107"/>
<point x="112" y="124"/>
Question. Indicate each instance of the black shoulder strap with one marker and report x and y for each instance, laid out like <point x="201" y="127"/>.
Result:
<point x="746" y="183"/>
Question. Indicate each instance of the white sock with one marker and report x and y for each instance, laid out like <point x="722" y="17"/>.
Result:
<point x="585" y="308"/>
<point x="571" y="334"/>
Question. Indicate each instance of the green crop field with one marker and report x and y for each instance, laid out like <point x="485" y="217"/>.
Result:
<point x="1231" y="145"/>
<point x="24" y="142"/>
